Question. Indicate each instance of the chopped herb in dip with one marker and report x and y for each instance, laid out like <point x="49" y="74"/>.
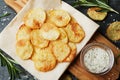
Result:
<point x="96" y="60"/>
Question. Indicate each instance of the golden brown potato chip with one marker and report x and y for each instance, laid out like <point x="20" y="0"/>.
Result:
<point x="35" y="18"/>
<point x="113" y="31"/>
<point x="23" y="33"/>
<point x="72" y="53"/>
<point x="74" y="31"/>
<point x="63" y="36"/>
<point x="43" y="59"/>
<point x="61" y="50"/>
<point x="49" y="31"/>
<point x="59" y="17"/>
<point x="48" y="39"/>
<point x="24" y="49"/>
<point x="37" y="39"/>
<point x="95" y="15"/>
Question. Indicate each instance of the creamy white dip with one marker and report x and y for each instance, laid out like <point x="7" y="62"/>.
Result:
<point x="96" y="60"/>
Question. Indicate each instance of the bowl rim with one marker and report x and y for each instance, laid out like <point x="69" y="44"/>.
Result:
<point x="100" y="45"/>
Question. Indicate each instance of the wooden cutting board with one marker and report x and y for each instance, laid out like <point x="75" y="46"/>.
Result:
<point x="75" y="67"/>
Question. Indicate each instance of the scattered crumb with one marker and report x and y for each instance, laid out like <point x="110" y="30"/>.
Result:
<point x="111" y="15"/>
<point x="5" y="12"/>
<point x="5" y="6"/>
<point x="114" y="20"/>
<point x="117" y="48"/>
<point x="2" y="24"/>
<point x="104" y="22"/>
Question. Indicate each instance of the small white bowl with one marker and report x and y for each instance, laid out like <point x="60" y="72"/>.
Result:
<point x="97" y="58"/>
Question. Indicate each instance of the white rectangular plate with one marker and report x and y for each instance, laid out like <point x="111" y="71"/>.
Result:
<point x="8" y="36"/>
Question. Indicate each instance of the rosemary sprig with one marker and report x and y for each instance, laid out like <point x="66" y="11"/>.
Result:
<point x="14" y="72"/>
<point x="4" y="15"/>
<point x="95" y="3"/>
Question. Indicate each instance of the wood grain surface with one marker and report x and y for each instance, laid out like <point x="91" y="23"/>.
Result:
<point x="75" y="67"/>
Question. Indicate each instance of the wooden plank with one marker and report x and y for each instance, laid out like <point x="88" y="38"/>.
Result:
<point x="20" y="3"/>
<point x="13" y="5"/>
<point x="24" y="1"/>
<point x="99" y="38"/>
<point x="75" y="67"/>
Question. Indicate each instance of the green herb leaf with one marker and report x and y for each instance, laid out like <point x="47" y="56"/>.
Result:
<point x="7" y="14"/>
<point x="14" y="72"/>
<point x="95" y="3"/>
<point x="105" y="1"/>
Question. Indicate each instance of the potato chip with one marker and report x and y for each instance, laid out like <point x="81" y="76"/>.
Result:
<point x="24" y="49"/>
<point x="61" y="50"/>
<point x="95" y="14"/>
<point x="74" y="31"/>
<point x="43" y="59"/>
<point x="23" y="33"/>
<point x="113" y="31"/>
<point x="63" y="36"/>
<point x="59" y="17"/>
<point x="49" y="31"/>
<point x="72" y="53"/>
<point x="37" y="39"/>
<point x="35" y="18"/>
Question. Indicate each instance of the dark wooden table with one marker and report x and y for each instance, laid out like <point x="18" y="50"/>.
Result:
<point x="103" y="26"/>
